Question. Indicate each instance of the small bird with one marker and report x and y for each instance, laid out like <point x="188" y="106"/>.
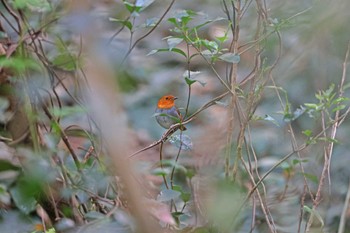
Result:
<point x="167" y="113"/>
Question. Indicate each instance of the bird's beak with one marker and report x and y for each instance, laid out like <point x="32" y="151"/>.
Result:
<point x="175" y="98"/>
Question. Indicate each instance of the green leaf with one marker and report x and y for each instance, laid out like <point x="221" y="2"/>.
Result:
<point x="7" y="166"/>
<point x="288" y="117"/>
<point x="177" y="188"/>
<point x="190" y="173"/>
<point x="311" y="177"/>
<point x="182" y="141"/>
<point x="65" y="61"/>
<point x="311" y="105"/>
<point x="143" y="3"/>
<point x="285" y="166"/>
<point x="19" y="64"/>
<point x="271" y="119"/>
<point x="173" y="42"/>
<point x="338" y="108"/>
<point x="185" y="197"/>
<point x="211" y="45"/>
<point x="132" y="8"/>
<point x="179" y="51"/>
<point x="168" y="195"/>
<point x="4" y="115"/>
<point x="328" y="139"/>
<point x="315" y="213"/>
<point x="329" y="91"/>
<point x="184" y="16"/>
<point x="151" y="22"/>
<point x="190" y="77"/>
<point x="189" y="81"/>
<point x="92" y="215"/>
<point x="173" y="21"/>
<point x="126" y="23"/>
<point x="172" y="163"/>
<point x="191" y="74"/>
<point x="33" y="5"/>
<point x="297" y="161"/>
<point x="66" y="111"/>
<point x="24" y="202"/>
<point x="340" y="100"/>
<point x="5" y="197"/>
<point x="307" y="133"/>
<point x="230" y="57"/>
<point x="160" y="171"/>
<point x="222" y="104"/>
<point x="175" y="50"/>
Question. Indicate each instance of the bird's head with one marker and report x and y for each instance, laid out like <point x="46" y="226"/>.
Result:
<point x="167" y="101"/>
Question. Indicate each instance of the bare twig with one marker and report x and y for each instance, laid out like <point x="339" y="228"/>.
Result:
<point x="343" y="216"/>
<point x="149" y="32"/>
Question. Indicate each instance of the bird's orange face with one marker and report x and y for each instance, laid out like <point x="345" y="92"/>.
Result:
<point x="167" y="101"/>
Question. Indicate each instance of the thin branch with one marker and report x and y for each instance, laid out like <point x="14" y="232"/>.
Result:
<point x="343" y="216"/>
<point x="14" y="15"/>
<point x="148" y="33"/>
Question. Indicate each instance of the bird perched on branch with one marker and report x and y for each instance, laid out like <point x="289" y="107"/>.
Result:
<point x="167" y="114"/>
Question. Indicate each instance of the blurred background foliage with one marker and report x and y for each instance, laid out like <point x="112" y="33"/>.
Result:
<point x="56" y="171"/>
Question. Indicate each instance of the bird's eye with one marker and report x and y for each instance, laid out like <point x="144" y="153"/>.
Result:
<point x="167" y="98"/>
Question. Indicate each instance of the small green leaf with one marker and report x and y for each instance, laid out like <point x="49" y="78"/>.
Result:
<point x="189" y="81"/>
<point x="92" y="215"/>
<point x="311" y="177"/>
<point x="7" y="166"/>
<point x="288" y="117"/>
<point x="271" y="119"/>
<point x="5" y="197"/>
<point x="23" y="201"/>
<point x="230" y="57"/>
<point x="315" y="213"/>
<point x="338" y="108"/>
<point x="19" y="64"/>
<point x="173" y="21"/>
<point x="65" y="61"/>
<point x="190" y="173"/>
<point x="211" y="45"/>
<point x="132" y="8"/>
<point x="185" y="197"/>
<point x="328" y="139"/>
<point x="143" y="3"/>
<point x="222" y="104"/>
<point x="177" y="188"/>
<point x="182" y="141"/>
<point x="172" y="163"/>
<point x="33" y="5"/>
<point x="190" y="77"/>
<point x="173" y="42"/>
<point x="222" y="39"/>
<point x="4" y="115"/>
<point x="126" y="23"/>
<point x="307" y="133"/>
<point x="191" y="74"/>
<point x="168" y="195"/>
<point x="151" y="22"/>
<point x="160" y="171"/>
<point x="340" y="100"/>
<point x="285" y="166"/>
<point x="296" y="161"/>
<point x="66" y="111"/>
<point x="175" y="50"/>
